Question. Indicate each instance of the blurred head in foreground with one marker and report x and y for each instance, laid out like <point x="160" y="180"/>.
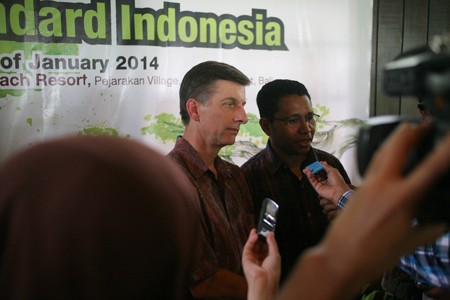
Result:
<point x="94" y="218"/>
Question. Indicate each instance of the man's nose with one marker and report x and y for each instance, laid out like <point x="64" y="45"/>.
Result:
<point x="241" y="115"/>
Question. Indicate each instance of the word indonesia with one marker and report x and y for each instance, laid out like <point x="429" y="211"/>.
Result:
<point x="76" y="23"/>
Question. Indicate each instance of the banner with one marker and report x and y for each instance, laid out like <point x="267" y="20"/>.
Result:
<point x="114" y="67"/>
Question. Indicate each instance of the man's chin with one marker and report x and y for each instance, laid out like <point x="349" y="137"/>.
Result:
<point x="303" y="150"/>
<point x="228" y="142"/>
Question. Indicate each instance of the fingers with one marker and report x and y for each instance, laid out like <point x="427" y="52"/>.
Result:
<point x="327" y="167"/>
<point x="390" y="158"/>
<point x="316" y="184"/>
<point x="330" y="170"/>
<point x="310" y="176"/>
<point x="332" y="214"/>
<point x="435" y="165"/>
<point x="324" y="202"/>
<point x="272" y="243"/>
<point x="389" y="161"/>
<point x="251" y="241"/>
<point x="334" y="176"/>
<point x="329" y="208"/>
<point x="327" y="205"/>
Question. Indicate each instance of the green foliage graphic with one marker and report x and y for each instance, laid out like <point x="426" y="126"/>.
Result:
<point x="166" y="127"/>
<point x="99" y="131"/>
<point x="28" y="49"/>
<point x="251" y="138"/>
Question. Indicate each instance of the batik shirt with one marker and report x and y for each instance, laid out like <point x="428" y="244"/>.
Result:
<point x="301" y="221"/>
<point x="226" y="211"/>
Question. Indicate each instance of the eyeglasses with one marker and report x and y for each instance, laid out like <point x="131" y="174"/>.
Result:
<point x="295" y="121"/>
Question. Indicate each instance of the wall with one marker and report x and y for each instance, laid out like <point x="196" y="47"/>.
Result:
<point x="398" y="26"/>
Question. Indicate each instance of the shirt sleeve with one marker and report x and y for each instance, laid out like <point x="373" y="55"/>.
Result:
<point x="344" y="198"/>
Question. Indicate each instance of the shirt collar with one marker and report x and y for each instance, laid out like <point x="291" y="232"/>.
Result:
<point x="275" y="162"/>
<point x="195" y="164"/>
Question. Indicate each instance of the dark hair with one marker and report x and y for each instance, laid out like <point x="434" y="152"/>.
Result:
<point x="422" y="104"/>
<point x="199" y="82"/>
<point x="271" y="94"/>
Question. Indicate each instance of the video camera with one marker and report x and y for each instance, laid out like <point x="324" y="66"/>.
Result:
<point x="425" y="73"/>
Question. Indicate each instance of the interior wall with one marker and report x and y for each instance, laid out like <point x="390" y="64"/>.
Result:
<point x="398" y="26"/>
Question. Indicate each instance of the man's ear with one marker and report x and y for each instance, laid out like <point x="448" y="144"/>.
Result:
<point x="265" y="125"/>
<point x="192" y="107"/>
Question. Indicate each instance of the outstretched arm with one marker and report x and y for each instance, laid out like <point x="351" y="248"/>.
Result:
<point x="376" y="228"/>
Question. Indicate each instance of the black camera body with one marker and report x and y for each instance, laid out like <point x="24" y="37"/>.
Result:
<point x="424" y="73"/>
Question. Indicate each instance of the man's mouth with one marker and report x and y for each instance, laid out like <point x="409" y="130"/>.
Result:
<point x="305" y="142"/>
<point x="235" y="130"/>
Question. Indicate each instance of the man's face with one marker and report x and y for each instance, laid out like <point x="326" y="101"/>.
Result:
<point x="292" y="130"/>
<point x="223" y="114"/>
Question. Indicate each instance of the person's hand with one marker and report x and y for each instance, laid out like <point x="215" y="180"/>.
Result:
<point x="376" y="227"/>
<point x="332" y="188"/>
<point x="329" y="208"/>
<point x="262" y="270"/>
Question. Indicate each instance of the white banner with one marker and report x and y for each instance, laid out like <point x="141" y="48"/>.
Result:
<point x="114" y="67"/>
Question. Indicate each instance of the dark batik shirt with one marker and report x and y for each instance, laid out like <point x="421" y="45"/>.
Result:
<point x="301" y="222"/>
<point x="227" y="211"/>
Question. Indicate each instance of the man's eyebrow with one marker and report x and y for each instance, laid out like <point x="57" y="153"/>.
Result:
<point x="235" y="100"/>
<point x="297" y="115"/>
